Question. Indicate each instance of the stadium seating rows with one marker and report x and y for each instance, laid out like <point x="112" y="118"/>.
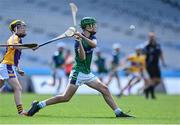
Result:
<point x="46" y="19"/>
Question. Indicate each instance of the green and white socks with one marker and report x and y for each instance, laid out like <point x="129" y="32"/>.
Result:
<point x="42" y="104"/>
<point x="117" y="111"/>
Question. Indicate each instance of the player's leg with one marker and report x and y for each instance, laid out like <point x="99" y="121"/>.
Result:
<point x="155" y="75"/>
<point x="155" y="81"/>
<point x="147" y="81"/>
<point x="103" y="89"/>
<point x="60" y="76"/>
<point x="98" y="85"/>
<point x="3" y="74"/>
<point x="59" y="85"/>
<point x="118" y="80"/>
<point x="17" y="89"/>
<point x="128" y="85"/>
<point x="1" y="83"/>
<point x="110" y="78"/>
<point x="49" y="83"/>
<point x="17" y="94"/>
<point x="135" y="81"/>
<point x="150" y="88"/>
<point x="54" y="77"/>
<point x="65" y="97"/>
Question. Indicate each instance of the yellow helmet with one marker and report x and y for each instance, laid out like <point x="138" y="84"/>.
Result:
<point x="15" y="23"/>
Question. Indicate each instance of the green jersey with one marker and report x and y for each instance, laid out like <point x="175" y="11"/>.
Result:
<point x="100" y="63"/>
<point x="83" y="65"/>
<point x="58" y="59"/>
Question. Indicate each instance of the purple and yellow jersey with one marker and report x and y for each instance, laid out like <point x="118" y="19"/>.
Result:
<point x="12" y="55"/>
<point x="137" y="62"/>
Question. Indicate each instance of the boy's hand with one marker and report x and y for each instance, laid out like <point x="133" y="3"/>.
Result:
<point x="78" y="34"/>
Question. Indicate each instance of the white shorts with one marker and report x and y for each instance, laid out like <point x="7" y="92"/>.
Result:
<point x="79" y="78"/>
<point x="7" y="71"/>
<point x="143" y="75"/>
<point x="102" y="75"/>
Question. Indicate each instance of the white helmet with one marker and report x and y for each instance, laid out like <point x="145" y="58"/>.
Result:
<point x="116" y="46"/>
<point x="139" y="47"/>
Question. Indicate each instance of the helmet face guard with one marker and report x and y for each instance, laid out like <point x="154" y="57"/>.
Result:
<point x="17" y="24"/>
<point x="87" y="21"/>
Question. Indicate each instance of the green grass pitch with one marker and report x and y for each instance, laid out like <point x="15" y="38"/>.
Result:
<point x="91" y="109"/>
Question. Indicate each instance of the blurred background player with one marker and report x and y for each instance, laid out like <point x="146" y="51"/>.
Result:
<point x="115" y="66"/>
<point x="69" y="60"/>
<point x="58" y="65"/>
<point x="137" y="70"/>
<point x="9" y="63"/>
<point x="100" y="62"/>
<point x="153" y="53"/>
<point x="81" y="73"/>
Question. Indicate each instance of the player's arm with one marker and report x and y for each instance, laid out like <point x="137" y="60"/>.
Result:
<point x="14" y="41"/>
<point x="18" y="47"/>
<point x="130" y="58"/>
<point x="92" y="43"/>
<point x="123" y="63"/>
<point x="81" y="51"/>
<point x="162" y="58"/>
<point x="15" y="47"/>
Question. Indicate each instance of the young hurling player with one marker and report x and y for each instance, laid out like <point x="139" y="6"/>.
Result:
<point x="9" y="63"/>
<point x="81" y="72"/>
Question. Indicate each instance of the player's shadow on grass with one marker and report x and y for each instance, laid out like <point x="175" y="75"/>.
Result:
<point x="79" y="117"/>
<point x="67" y="117"/>
<point x="64" y="117"/>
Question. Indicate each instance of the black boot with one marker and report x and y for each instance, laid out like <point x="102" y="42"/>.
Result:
<point x="152" y="92"/>
<point x="146" y="92"/>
